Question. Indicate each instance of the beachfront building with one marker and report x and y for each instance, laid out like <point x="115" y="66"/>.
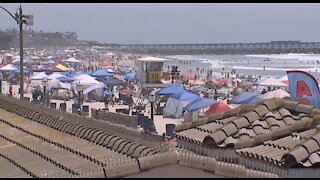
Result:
<point x="149" y="69"/>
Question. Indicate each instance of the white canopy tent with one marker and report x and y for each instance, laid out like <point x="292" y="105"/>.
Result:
<point x="8" y="67"/>
<point x="86" y="81"/>
<point x="55" y="76"/>
<point x="39" y="76"/>
<point x="271" y="82"/>
<point x="279" y="93"/>
<point x="72" y="60"/>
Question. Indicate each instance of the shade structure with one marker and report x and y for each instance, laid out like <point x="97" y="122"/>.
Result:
<point x="113" y="81"/>
<point x="64" y="79"/>
<point x="199" y="104"/>
<point x="185" y="96"/>
<point x="39" y="76"/>
<point x="189" y="76"/>
<point x="222" y="80"/>
<point x="271" y="82"/>
<point x="130" y="76"/>
<point x="218" y="107"/>
<point x="171" y="89"/>
<point x="60" y="68"/>
<point x="279" y="93"/>
<point x="176" y="102"/>
<point x="100" y="73"/>
<point x="86" y="81"/>
<point x="93" y="87"/>
<point x="81" y="76"/>
<point x="72" y="60"/>
<point x="245" y="98"/>
<point x="55" y="76"/>
<point x="105" y="63"/>
<point x="8" y="67"/>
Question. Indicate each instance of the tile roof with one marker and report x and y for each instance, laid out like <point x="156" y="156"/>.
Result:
<point x="278" y="131"/>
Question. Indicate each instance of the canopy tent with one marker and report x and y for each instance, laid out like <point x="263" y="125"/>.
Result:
<point x="81" y="76"/>
<point x="93" y="87"/>
<point x="279" y="93"/>
<point x="100" y="73"/>
<point x="199" y="104"/>
<point x="113" y="81"/>
<point x="218" y="107"/>
<point x="271" y="82"/>
<point x="86" y="81"/>
<point x="176" y="102"/>
<point x="64" y="79"/>
<point x="25" y="61"/>
<point x="171" y="89"/>
<point x="72" y="60"/>
<point x="55" y="76"/>
<point x="8" y="67"/>
<point x="39" y="76"/>
<point x="245" y="98"/>
<point x="130" y="76"/>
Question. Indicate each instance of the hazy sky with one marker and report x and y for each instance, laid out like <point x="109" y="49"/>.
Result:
<point x="175" y="23"/>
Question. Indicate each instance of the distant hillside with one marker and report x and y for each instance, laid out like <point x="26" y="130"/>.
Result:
<point x="5" y="40"/>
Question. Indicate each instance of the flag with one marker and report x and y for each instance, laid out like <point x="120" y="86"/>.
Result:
<point x="303" y="88"/>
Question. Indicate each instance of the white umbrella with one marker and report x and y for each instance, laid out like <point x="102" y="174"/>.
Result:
<point x="73" y="60"/>
<point x="39" y="76"/>
<point x="279" y="93"/>
<point x="55" y="76"/>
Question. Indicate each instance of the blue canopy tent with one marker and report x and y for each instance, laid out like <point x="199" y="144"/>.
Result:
<point x="64" y="79"/>
<point x="176" y="103"/>
<point x="246" y="98"/>
<point x="171" y="89"/>
<point x="130" y="76"/>
<point x="199" y="104"/>
<point x="100" y="72"/>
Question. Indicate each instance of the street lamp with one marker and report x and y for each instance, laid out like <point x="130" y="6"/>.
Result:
<point x="20" y="19"/>
<point x="45" y="85"/>
<point x="80" y="90"/>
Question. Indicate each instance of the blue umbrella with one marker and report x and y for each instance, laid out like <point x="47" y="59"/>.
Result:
<point x="185" y="96"/>
<point x="199" y="104"/>
<point x="245" y="98"/>
<point x="171" y="89"/>
<point x="130" y="76"/>
<point x="123" y="65"/>
<point x="100" y="72"/>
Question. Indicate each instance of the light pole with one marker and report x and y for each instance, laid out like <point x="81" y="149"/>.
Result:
<point x="45" y="84"/>
<point x="20" y="19"/>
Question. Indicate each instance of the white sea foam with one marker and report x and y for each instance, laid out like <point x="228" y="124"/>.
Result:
<point x="290" y="56"/>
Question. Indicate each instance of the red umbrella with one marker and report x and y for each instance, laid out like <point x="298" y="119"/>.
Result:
<point x="105" y="63"/>
<point x="218" y="107"/>
<point x="222" y="80"/>
<point x="189" y="76"/>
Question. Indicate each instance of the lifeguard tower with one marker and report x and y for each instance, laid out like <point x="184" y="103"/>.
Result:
<point x="150" y="69"/>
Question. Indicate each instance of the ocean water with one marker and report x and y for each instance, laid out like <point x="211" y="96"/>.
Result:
<point x="273" y="65"/>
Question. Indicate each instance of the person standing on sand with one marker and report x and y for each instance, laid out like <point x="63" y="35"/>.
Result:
<point x="10" y="90"/>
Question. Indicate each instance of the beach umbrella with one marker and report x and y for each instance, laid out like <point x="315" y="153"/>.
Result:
<point x="113" y="81"/>
<point x="94" y="87"/>
<point x="245" y="98"/>
<point x="130" y="76"/>
<point x="189" y="76"/>
<point x="123" y="65"/>
<point x="199" y="104"/>
<point x="72" y="60"/>
<point x="105" y="63"/>
<point x="222" y="80"/>
<point x="279" y="93"/>
<point x="185" y="96"/>
<point x="218" y="107"/>
<point x="271" y="82"/>
<point x="171" y="89"/>
<point x="55" y="76"/>
<point x="100" y="72"/>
